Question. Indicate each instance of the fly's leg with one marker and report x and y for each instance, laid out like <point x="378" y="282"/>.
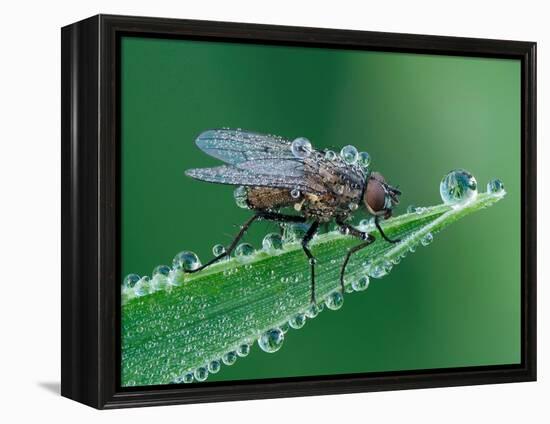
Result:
<point x="384" y="236"/>
<point x="305" y="241"/>
<point x="368" y="239"/>
<point x="231" y="247"/>
<point x="270" y="216"/>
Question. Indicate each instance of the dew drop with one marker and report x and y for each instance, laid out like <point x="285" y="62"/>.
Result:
<point x="297" y="321"/>
<point x="143" y="286"/>
<point x="163" y="270"/>
<point x="243" y="252"/>
<point x="241" y="197"/>
<point x="161" y="277"/>
<point x="272" y="242"/>
<point x="187" y="378"/>
<point x="458" y="187"/>
<point x="130" y="281"/>
<point x="272" y="340"/>
<point x="214" y="367"/>
<point x="312" y="311"/>
<point x="334" y="300"/>
<point x="427" y="239"/>
<point x="495" y="186"/>
<point x="186" y="261"/>
<point x="349" y="154"/>
<point x="295" y="193"/>
<point x="363" y="159"/>
<point x="218" y="250"/>
<point x="411" y="209"/>
<point x="243" y="350"/>
<point x="353" y="206"/>
<point x="294" y="232"/>
<point x="378" y="269"/>
<point x="361" y="284"/>
<point x="301" y="148"/>
<point x="201" y="374"/>
<point x="330" y="155"/>
<point x="284" y="327"/>
<point x="229" y="358"/>
<point x="396" y="260"/>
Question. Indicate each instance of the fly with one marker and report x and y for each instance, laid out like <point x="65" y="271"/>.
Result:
<point x="278" y="173"/>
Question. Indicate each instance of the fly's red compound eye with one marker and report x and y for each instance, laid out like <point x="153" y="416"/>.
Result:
<point x="376" y="195"/>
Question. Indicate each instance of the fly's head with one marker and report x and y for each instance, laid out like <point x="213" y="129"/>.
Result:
<point x="380" y="197"/>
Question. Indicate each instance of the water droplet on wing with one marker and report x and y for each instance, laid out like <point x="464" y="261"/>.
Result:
<point x="363" y="159"/>
<point x="301" y="148"/>
<point x="349" y="154"/>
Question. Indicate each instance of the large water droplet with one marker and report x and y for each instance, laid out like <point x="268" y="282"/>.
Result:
<point x="243" y="252"/>
<point x="349" y="154"/>
<point x="201" y="374"/>
<point x="187" y="377"/>
<point x="330" y="155"/>
<point x="363" y="159"/>
<point x="295" y="193"/>
<point x="335" y="300"/>
<point x="214" y="367"/>
<point x="427" y="239"/>
<point x="361" y="284"/>
<point x="229" y="358"/>
<point x="301" y="148"/>
<point x="241" y="197"/>
<point x="495" y="186"/>
<point x="130" y="281"/>
<point x="298" y="321"/>
<point x="272" y="340"/>
<point x="272" y="242"/>
<point x="458" y="187"/>
<point x="186" y="261"/>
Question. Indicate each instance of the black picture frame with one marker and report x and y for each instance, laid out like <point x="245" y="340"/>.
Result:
<point x="91" y="210"/>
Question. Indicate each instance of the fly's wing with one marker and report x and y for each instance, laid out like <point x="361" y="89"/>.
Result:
<point x="227" y="174"/>
<point x="267" y="161"/>
<point x="254" y="160"/>
<point x="237" y="147"/>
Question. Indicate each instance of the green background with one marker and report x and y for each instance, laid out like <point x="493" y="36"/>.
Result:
<point x="456" y="303"/>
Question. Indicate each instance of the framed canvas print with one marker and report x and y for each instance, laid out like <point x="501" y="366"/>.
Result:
<point x="254" y="211"/>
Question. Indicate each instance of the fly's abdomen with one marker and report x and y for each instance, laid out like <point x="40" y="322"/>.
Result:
<point x="268" y="198"/>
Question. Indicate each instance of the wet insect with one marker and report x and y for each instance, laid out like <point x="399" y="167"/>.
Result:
<point x="277" y="173"/>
